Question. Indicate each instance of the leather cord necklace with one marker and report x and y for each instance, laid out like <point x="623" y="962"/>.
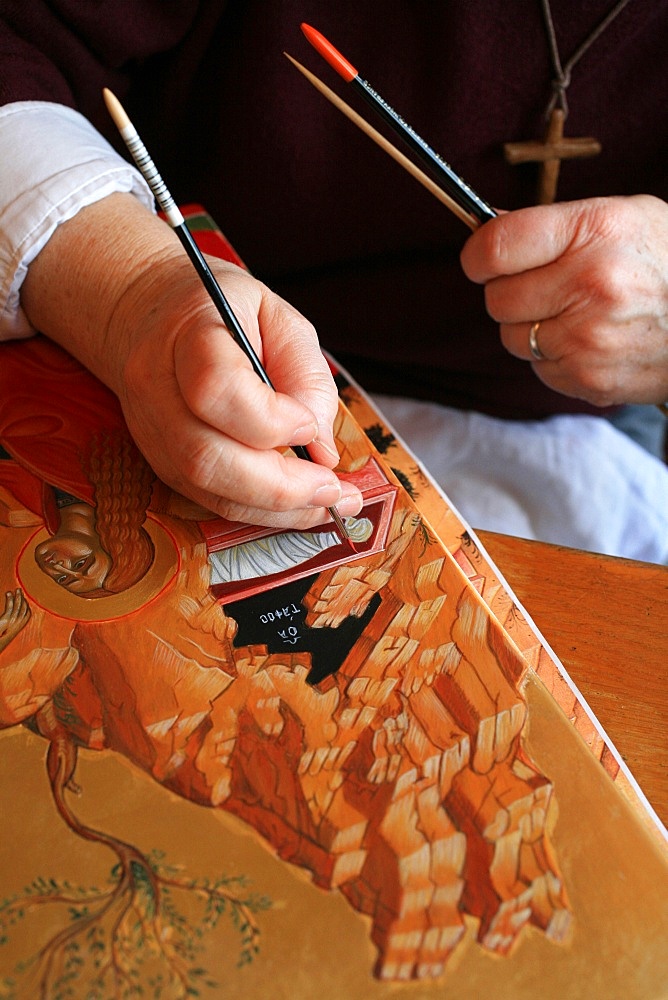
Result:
<point x="554" y="148"/>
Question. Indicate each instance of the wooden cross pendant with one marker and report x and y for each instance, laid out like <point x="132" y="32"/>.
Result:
<point x="550" y="153"/>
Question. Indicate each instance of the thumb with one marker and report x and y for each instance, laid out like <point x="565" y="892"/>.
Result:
<point x="530" y="237"/>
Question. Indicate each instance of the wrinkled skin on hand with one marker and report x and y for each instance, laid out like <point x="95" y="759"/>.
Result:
<point x="114" y="287"/>
<point x="595" y="274"/>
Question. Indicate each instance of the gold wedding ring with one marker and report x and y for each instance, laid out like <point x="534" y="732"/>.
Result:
<point x="533" y="343"/>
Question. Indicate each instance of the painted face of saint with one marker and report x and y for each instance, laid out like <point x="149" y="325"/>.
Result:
<point x="75" y="561"/>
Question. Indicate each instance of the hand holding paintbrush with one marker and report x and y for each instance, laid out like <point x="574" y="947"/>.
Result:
<point x="114" y="287"/>
<point x="175" y="219"/>
<point x="483" y="263"/>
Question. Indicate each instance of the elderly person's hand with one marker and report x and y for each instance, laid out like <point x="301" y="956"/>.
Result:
<point x="114" y="287"/>
<point x="594" y="275"/>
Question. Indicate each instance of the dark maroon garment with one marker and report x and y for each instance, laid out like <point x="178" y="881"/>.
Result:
<point x="316" y="209"/>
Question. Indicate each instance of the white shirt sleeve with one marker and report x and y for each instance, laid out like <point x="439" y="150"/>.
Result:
<point x="52" y="164"/>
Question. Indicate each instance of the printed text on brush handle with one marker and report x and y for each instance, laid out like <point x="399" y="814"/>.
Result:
<point x="458" y="188"/>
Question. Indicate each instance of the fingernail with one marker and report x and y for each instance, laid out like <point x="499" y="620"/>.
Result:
<point x="329" y="448"/>
<point x="326" y="496"/>
<point x="304" y="435"/>
<point x="349" y="506"/>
